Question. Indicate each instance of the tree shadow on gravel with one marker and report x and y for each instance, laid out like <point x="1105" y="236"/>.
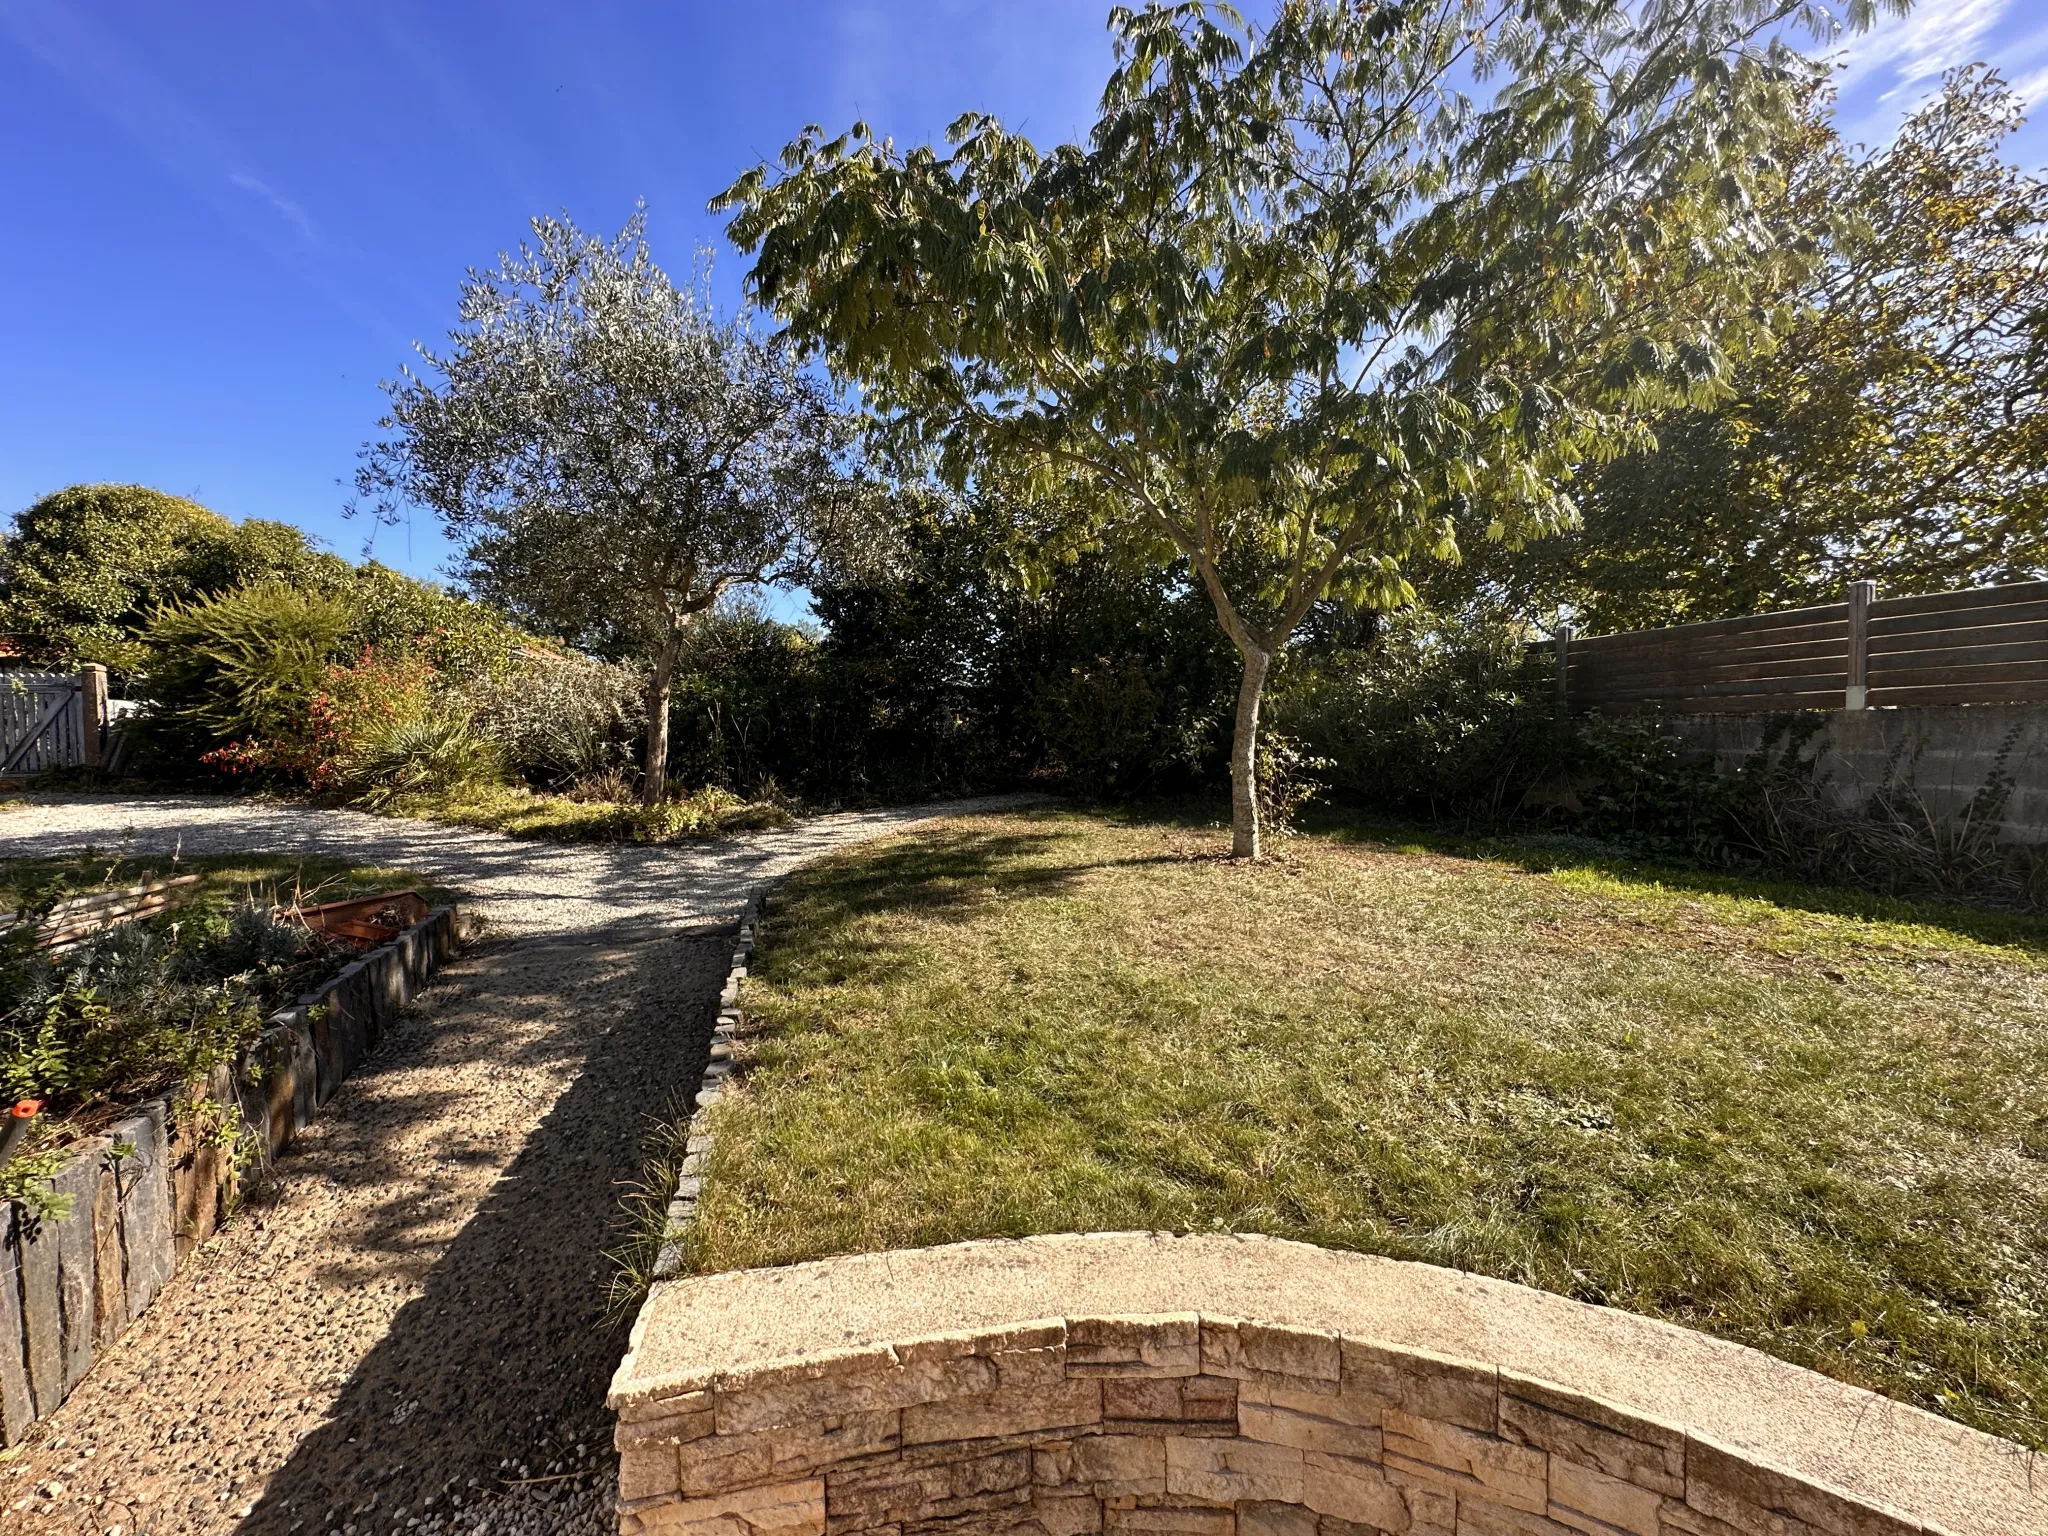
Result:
<point x="505" y="1353"/>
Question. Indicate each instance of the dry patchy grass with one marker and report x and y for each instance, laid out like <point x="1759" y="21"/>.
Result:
<point x="1820" y="1132"/>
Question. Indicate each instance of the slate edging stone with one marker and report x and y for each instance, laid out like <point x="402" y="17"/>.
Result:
<point x="154" y="1187"/>
<point x="682" y="1208"/>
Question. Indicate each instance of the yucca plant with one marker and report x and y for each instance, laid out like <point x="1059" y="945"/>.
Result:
<point x="419" y="754"/>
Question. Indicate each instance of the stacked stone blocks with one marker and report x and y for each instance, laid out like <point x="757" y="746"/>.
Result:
<point x="1182" y="1425"/>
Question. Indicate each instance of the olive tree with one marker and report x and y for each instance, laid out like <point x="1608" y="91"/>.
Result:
<point x="1312" y="292"/>
<point x="612" y="457"/>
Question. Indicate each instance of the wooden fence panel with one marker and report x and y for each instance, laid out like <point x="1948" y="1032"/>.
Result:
<point x="43" y="723"/>
<point x="1984" y="645"/>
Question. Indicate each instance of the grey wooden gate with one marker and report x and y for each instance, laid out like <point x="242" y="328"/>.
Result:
<point x="50" y="720"/>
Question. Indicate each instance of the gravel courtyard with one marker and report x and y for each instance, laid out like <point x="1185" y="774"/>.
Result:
<point x="404" y="1330"/>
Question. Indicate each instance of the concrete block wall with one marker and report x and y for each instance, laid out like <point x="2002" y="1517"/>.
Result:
<point x="155" y="1186"/>
<point x="1946" y="752"/>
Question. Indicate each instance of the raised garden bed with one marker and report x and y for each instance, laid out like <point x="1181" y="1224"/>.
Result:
<point x="140" y="1165"/>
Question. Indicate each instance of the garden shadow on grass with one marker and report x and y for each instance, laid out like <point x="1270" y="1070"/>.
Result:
<point x="505" y="1353"/>
<point x="949" y="876"/>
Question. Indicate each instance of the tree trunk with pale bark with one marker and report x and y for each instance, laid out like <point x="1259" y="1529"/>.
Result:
<point x="1244" y="754"/>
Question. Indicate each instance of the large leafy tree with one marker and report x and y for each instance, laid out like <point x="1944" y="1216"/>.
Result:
<point x="1308" y="293"/>
<point x="613" y="457"/>
<point x="1899" y="429"/>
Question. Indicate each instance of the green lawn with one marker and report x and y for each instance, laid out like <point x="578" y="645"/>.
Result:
<point x="1808" y="1121"/>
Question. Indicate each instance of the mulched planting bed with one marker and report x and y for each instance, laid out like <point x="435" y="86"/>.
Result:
<point x="1810" y="1121"/>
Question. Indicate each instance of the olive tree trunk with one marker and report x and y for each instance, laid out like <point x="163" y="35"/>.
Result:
<point x="1244" y="754"/>
<point x="654" y="774"/>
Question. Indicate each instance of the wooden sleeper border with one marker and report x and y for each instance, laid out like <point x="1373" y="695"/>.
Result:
<point x="153" y="1187"/>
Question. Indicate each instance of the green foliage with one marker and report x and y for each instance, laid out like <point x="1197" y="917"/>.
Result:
<point x="84" y="567"/>
<point x="131" y="1006"/>
<point x="243" y="665"/>
<point x="557" y="719"/>
<point x="149" y="1004"/>
<point x="456" y="635"/>
<point x="950" y="674"/>
<point x="418" y="754"/>
<point x="612" y="457"/>
<point x="1897" y="430"/>
<point x="1436" y="716"/>
<point x="1301" y="301"/>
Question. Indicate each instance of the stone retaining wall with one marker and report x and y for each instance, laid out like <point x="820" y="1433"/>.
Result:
<point x="156" y="1185"/>
<point x="1145" y="1385"/>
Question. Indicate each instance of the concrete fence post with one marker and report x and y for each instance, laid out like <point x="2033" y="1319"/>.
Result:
<point x="1861" y="595"/>
<point x="1564" y="656"/>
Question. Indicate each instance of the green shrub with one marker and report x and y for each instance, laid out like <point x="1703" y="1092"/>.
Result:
<point x="418" y="754"/>
<point x="559" y="720"/>
<point x="241" y="666"/>
<point x="1439" y="716"/>
<point x="83" y="568"/>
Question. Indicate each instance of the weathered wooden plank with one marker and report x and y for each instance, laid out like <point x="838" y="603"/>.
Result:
<point x="1965" y="620"/>
<point x="1964" y="598"/>
<point x="17" y="1402"/>
<point x="2026" y="652"/>
<point x="1819" y="640"/>
<point x="1954" y="676"/>
<point x="1690" y="666"/>
<point x="1791" y="666"/>
<point x="1779" y="619"/>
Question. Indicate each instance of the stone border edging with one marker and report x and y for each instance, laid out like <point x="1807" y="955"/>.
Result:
<point x="68" y="1292"/>
<point x="682" y="1208"/>
<point x="1140" y="1384"/>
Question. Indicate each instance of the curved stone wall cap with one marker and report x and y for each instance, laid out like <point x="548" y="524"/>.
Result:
<point x="820" y="1318"/>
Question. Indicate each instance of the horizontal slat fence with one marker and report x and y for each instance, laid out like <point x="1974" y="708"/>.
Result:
<point x="1988" y="645"/>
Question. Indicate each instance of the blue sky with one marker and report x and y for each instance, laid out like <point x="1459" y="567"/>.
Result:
<point x="226" y="222"/>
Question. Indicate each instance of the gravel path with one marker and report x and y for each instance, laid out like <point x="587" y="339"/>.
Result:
<point x="403" y="1331"/>
<point x="522" y="886"/>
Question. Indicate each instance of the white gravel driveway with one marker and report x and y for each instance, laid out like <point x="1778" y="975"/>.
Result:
<point x="521" y="885"/>
<point x="403" y="1333"/>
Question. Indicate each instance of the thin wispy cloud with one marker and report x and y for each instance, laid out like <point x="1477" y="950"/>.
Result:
<point x="290" y="211"/>
<point x="1907" y="55"/>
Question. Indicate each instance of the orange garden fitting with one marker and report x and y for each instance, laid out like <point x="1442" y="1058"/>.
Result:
<point x="14" y="1126"/>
